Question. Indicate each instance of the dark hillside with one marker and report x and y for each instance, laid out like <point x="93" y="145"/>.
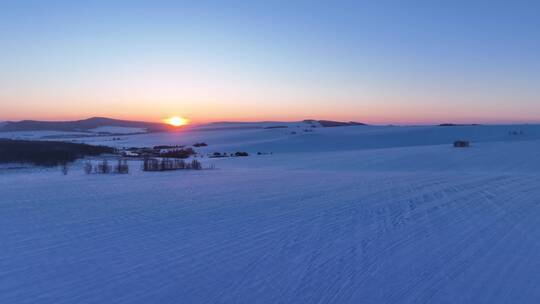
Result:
<point x="46" y="153"/>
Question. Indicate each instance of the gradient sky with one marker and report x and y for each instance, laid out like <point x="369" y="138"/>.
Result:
<point x="372" y="61"/>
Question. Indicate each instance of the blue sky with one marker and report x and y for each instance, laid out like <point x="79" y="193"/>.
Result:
<point x="373" y="61"/>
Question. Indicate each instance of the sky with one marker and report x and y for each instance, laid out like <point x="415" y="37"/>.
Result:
<point x="380" y="62"/>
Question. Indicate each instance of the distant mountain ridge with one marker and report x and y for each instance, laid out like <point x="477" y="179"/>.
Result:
<point x="79" y="125"/>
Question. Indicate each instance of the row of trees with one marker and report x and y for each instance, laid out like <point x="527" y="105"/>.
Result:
<point x="149" y="164"/>
<point x="217" y="154"/>
<point x="104" y="167"/>
<point x="179" y="153"/>
<point x="154" y="164"/>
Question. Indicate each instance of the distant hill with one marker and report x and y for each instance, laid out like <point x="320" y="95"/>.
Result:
<point x="79" y="125"/>
<point x="222" y="125"/>
<point x="456" y="125"/>
<point x="115" y="126"/>
<point x="331" y="123"/>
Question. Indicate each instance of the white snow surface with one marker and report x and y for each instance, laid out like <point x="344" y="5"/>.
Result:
<point x="117" y="130"/>
<point x="338" y="215"/>
<point x="56" y="135"/>
<point x="38" y="135"/>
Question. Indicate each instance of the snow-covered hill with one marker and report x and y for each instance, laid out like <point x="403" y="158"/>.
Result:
<point x="358" y="214"/>
<point x="300" y="137"/>
<point x="79" y="125"/>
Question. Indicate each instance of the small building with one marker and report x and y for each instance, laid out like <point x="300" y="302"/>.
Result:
<point x="462" y="144"/>
<point x="130" y="154"/>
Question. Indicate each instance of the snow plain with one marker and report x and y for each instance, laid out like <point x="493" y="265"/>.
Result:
<point x="337" y="215"/>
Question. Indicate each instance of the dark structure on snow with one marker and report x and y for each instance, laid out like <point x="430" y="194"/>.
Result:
<point x="462" y="144"/>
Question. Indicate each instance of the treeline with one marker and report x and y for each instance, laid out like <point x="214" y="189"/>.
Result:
<point x="46" y="153"/>
<point x="224" y="154"/>
<point x="104" y="167"/>
<point x="179" y="153"/>
<point x="155" y="164"/>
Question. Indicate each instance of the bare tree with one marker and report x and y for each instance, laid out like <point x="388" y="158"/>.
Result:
<point x="196" y="165"/>
<point x="88" y="167"/>
<point x="104" y="167"/>
<point x="65" y="168"/>
<point x="121" y="167"/>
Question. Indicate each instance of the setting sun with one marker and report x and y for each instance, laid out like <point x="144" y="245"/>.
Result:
<point x="177" y="121"/>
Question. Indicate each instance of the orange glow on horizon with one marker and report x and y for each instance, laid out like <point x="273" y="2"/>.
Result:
<point x="176" y="121"/>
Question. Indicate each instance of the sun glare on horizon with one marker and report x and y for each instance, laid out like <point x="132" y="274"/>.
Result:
<point x="176" y="121"/>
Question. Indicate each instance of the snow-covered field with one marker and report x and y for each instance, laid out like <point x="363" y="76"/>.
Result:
<point x="117" y="130"/>
<point x="337" y="215"/>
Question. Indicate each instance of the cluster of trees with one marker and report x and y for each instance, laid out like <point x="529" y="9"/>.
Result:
<point x="218" y="154"/>
<point x="200" y="144"/>
<point x="149" y="164"/>
<point x="179" y="153"/>
<point x="160" y="147"/>
<point x="104" y="167"/>
<point x="154" y="164"/>
<point x="46" y="153"/>
<point x="54" y="153"/>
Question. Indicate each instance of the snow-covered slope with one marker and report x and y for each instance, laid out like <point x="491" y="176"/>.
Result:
<point x="298" y="137"/>
<point x="338" y="215"/>
<point x="71" y="135"/>
<point x="302" y="138"/>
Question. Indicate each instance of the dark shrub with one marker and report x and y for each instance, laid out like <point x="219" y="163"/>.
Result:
<point x="461" y="144"/>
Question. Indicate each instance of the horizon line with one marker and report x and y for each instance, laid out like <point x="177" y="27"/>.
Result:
<point x="195" y="123"/>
